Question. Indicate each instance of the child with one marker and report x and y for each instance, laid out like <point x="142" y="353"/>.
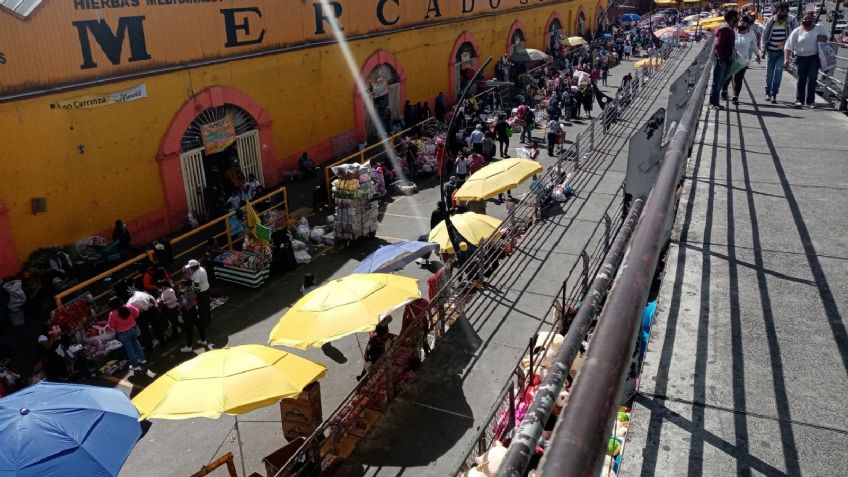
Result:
<point x="188" y="308"/>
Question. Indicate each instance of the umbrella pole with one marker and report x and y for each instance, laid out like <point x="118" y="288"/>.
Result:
<point x="241" y="449"/>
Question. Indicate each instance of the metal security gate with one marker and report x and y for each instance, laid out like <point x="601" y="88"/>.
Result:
<point x="194" y="180"/>
<point x="250" y="155"/>
<point x="394" y="100"/>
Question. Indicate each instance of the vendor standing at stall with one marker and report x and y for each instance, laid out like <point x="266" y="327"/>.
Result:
<point x="201" y="282"/>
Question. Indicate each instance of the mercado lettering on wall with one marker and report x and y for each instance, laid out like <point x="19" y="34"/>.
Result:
<point x="76" y="42"/>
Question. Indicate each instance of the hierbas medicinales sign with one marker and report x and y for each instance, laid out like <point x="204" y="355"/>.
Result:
<point x="73" y="42"/>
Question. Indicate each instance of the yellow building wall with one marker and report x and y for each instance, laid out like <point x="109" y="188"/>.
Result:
<point x="309" y="94"/>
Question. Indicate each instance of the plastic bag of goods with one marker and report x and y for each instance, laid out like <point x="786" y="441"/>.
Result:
<point x="297" y="245"/>
<point x="331" y="219"/>
<point x="405" y="187"/>
<point x="302" y="256"/>
<point x="316" y="233"/>
<point x="329" y="239"/>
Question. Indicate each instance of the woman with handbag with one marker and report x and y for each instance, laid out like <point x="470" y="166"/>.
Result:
<point x="804" y="43"/>
<point x="746" y="47"/>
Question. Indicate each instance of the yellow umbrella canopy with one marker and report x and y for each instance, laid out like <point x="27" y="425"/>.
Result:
<point x="576" y="41"/>
<point x="227" y="381"/>
<point x="648" y="62"/>
<point x="474" y="228"/>
<point x="342" y="307"/>
<point x="497" y="178"/>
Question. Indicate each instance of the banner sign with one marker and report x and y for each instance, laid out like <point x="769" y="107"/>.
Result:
<point x="97" y="100"/>
<point x="219" y="135"/>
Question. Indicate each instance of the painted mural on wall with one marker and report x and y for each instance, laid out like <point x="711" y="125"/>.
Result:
<point x="79" y="41"/>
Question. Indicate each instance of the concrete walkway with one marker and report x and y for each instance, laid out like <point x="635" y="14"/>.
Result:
<point x="746" y="372"/>
<point x="428" y="427"/>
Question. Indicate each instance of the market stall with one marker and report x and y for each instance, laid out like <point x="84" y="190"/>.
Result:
<point x="356" y="212"/>
<point x="249" y="267"/>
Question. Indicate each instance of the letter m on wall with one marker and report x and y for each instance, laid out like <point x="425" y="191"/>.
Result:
<point x="129" y="29"/>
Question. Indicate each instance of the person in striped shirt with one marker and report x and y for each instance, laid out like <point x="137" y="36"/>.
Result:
<point x="772" y="41"/>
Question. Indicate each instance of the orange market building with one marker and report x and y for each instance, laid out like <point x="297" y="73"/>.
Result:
<point x="103" y="102"/>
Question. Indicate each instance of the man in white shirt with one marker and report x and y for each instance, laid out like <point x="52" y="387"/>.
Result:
<point x="477" y="137"/>
<point x="804" y="43"/>
<point x="201" y="282"/>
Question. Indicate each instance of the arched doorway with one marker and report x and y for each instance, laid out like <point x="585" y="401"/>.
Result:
<point x="182" y="150"/>
<point x="383" y="86"/>
<point x="553" y="34"/>
<point x="219" y="151"/>
<point x="462" y="64"/>
<point x="517" y="41"/>
<point x="465" y="66"/>
<point x="384" y="80"/>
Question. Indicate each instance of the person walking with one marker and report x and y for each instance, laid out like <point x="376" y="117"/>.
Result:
<point x="553" y="135"/>
<point x="201" y="282"/>
<point x="461" y="168"/>
<point x="772" y="43"/>
<point x="477" y="137"/>
<point x="803" y="42"/>
<point x="725" y="39"/>
<point x="746" y="47"/>
<point x="122" y="320"/>
<point x="501" y="131"/>
<point x="188" y="299"/>
<point x="529" y="126"/>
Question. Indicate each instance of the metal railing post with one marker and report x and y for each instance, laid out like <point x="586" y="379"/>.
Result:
<point x="584" y="276"/>
<point x="607" y="226"/>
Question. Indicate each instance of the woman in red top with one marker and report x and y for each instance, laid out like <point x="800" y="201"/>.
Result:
<point x="122" y="320"/>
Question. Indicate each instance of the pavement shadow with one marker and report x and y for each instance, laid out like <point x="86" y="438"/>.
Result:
<point x="333" y="353"/>
<point x="396" y="441"/>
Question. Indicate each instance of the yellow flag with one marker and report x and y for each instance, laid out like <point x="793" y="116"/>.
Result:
<point x="254" y="224"/>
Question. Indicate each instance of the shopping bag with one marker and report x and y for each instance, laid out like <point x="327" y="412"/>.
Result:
<point x="827" y="56"/>
<point x="737" y="65"/>
<point x="509" y="132"/>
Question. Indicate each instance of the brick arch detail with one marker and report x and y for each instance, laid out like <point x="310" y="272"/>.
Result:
<point x="464" y="37"/>
<point x="516" y="25"/>
<point x="170" y="170"/>
<point x="547" y="32"/>
<point x="376" y="59"/>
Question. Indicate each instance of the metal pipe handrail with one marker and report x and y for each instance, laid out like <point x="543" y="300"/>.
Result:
<point x="576" y="447"/>
<point x="523" y="445"/>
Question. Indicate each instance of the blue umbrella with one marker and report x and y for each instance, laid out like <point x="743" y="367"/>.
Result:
<point x="395" y="256"/>
<point x="630" y="17"/>
<point x="66" y="429"/>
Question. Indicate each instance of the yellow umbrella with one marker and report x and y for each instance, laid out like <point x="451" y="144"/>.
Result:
<point x="474" y="228"/>
<point x="576" y="41"/>
<point x="233" y="381"/>
<point x="349" y="305"/>
<point x="497" y="178"/>
<point x="648" y="62"/>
